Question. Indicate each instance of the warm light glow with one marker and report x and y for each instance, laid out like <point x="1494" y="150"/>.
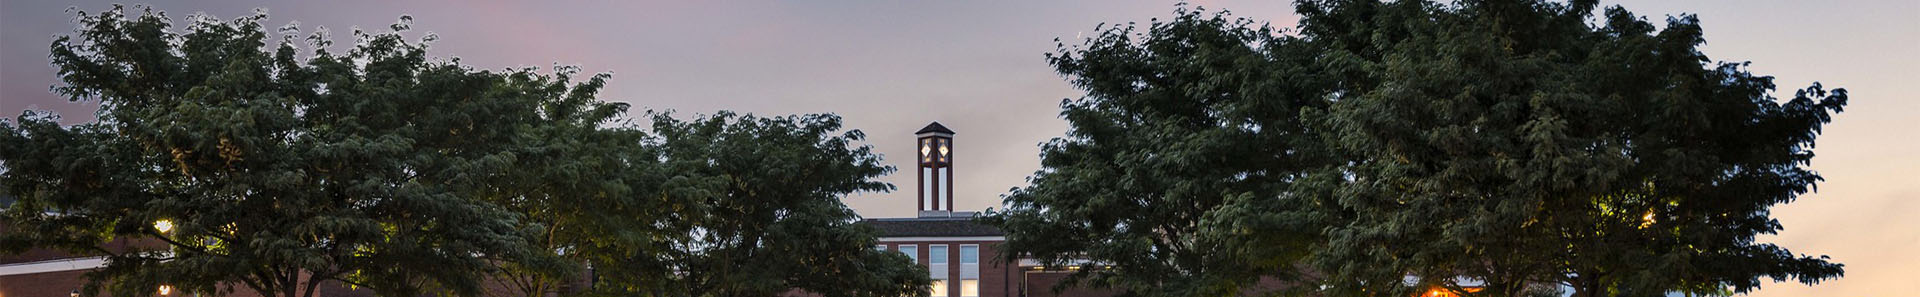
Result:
<point x="166" y="290"/>
<point x="939" y="288"/>
<point x="1647" y="220"/>
<point x="970" y="288"/>
<point x="163" y="225"/>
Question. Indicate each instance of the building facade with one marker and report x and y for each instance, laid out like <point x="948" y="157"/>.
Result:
<point x="961" y="255"/>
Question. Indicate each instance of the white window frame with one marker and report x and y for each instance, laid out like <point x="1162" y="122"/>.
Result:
<point x="912" y="251"/>
<point x="969" y="270"/>
<point x="963" y="254"/>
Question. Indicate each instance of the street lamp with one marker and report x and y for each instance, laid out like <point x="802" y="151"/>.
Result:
<point x="163" y="225"/>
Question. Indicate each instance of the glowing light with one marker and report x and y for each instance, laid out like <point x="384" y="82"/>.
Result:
<point x="163" y="225"/>
<point x="1646" y="220"/>
<point x="166" y="290"/>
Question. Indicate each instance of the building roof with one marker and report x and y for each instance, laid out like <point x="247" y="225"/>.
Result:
<point x="931" y="227"/>
<point x="935" y="127"/>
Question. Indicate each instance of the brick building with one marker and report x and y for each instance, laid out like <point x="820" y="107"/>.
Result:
<point x="961" y="256"/>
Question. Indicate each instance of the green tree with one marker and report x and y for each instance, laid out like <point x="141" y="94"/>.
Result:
<point x="763" y="213"/>
<point x="1515" y="144"/>
<point x="1519" y="145"/>
<point x="581" y="183"/>
<point x="276" y="170"/>
<point x="1185" y="168"/>
<point x="386" y="169"/>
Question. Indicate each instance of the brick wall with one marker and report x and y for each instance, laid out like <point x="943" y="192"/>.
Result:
<point x="997" y="278"/>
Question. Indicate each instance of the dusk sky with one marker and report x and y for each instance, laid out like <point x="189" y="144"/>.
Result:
<point x="889" y="67"/>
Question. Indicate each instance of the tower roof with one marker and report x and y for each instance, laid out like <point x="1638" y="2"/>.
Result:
<point x="935" y="127"/>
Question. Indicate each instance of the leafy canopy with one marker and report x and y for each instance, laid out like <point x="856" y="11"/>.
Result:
<point x="1187" y="161"/>
<point x="277" y="170"/>
<point x="770" y="219"/>
<point x="280" y="170"/>
<point x="1511" y="144"/>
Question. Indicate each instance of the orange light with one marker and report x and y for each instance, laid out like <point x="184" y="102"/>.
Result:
<point x="166" y="290"/>
<point x="1647" y="220"/>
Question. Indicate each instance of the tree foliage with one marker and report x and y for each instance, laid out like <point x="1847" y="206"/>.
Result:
<point x="1512" y="145"/>
<point x="769" y="218"/>
<point x="1168" y="177"/>
<point x="277" y="171"/>
<point x="281" y="170"/>
<point x="1514" y="142"/>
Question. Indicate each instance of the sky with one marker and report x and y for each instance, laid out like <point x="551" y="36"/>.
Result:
<point x="890" y="67"/>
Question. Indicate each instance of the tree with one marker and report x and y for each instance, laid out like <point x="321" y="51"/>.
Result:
<point x="272" y="170"/>
<point x="763" y="214"/>
<point x="580" y="184"/>
<point x="1184" y="172"/>
<point x="385" y="169"/>
<point x="1514" y="144"/>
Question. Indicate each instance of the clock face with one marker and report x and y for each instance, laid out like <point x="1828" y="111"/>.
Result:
<point x="926" y="150"/>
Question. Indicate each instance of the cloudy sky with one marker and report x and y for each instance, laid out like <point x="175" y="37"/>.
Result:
<point x="889" y="67"/>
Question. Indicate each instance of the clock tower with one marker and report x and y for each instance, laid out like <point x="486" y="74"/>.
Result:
<point x="936" y="170"/>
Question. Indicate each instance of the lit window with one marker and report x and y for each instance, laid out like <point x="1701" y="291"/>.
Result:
<point x="939" y="288"/>
<point x="970" y="254"/>
<point x="913" y="252"/>
<point x="970" y="288"/>
<point x="937" y="254"/>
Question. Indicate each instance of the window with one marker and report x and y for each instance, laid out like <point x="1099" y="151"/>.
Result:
<point x="970" y="288"/>
<point x="970" y="254"/>
<point x="937" y="254"/>
<point x="912" y="251"/>
<point x="880" y="247"/>
<point x="969" y="270"/>
<point x="939" y="288"/>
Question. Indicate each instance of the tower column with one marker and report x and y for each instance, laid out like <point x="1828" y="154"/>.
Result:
<point x="935" y="168"/>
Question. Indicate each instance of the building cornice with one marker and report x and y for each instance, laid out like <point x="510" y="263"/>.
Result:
<point x="57" y="265"/>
